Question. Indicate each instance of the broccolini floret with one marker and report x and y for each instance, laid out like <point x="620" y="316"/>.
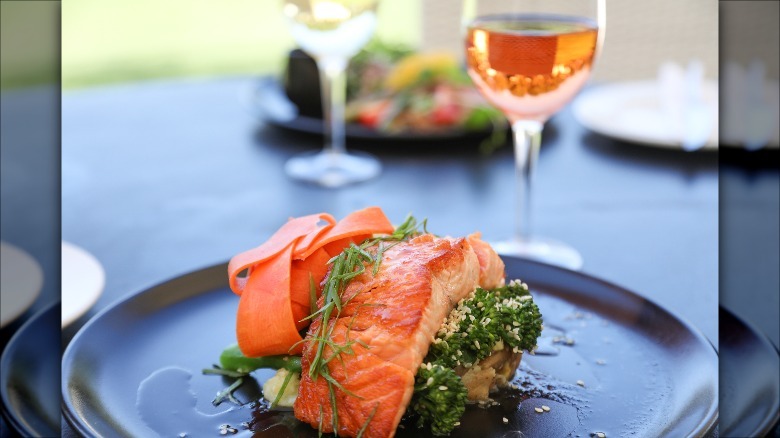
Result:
<point x="439" y="398"/>
<point x="484" y="321"/>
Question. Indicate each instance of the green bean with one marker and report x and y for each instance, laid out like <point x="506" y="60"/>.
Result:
<point x="232" y="359"/>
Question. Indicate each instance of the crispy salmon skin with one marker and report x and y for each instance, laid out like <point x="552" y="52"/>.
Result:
<point x="388" y="323"/>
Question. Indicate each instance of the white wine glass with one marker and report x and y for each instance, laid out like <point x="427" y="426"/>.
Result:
<point x="331" y="32"/>
<point x="529" y="58"/>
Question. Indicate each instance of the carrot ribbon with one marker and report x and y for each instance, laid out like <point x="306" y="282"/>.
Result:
<point x="275" y="293"/>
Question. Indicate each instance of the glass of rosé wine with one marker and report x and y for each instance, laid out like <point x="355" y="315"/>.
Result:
<point x="331" y="32"/>
<point x="529" y="58"/>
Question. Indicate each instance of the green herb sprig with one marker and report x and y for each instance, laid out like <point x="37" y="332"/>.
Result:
<point x="350" y="263"/>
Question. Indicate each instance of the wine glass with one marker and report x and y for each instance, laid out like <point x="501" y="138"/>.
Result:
<point x="331" y="32"/>
<point x="529" y="58"/>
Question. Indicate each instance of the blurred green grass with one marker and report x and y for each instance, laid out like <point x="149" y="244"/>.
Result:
<point x="29" y="43"/>
<point x="109" y="41"/>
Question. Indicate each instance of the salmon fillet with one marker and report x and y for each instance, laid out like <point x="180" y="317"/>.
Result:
<point x="390" y="320"/>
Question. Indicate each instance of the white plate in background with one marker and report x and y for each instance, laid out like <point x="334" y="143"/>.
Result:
<point x="21" y="280"/>
<point x="83" y="280"/>
<point x="633" y="111"/>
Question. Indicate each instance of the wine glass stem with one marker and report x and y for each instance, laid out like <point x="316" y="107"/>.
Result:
<point x="333" y="82"/>
<point x="527" y="138"/>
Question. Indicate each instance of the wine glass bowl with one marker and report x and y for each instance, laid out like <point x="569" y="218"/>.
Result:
<point x="551" y="60"/>
<point x="331" y="32"/>
<point x="331" y="29"/>
<point x="529" y="58"/>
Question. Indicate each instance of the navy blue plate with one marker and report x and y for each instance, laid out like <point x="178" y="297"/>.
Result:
<point x="749" y="379"/>
<point x="608" y="361"/>
<point x="29" y="375"/>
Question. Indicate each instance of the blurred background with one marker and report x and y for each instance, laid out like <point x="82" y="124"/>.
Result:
<point x="29" y="33"/>
<point x="29" y="217"/>
<point x="105" y="42"/>
<point x="114" y="41"/>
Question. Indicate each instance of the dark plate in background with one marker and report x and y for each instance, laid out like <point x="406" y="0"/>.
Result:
<point x="134" y="370"/>
<point x="749" y="380"/>
<point x="269" y="101"/>
<point x="29" y="375"/>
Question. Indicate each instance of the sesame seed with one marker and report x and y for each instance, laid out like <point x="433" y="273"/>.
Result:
<point x="539" y="410"/>
<point x="457" y="423"/>
<point x="506" y="420"/>
<point x="601" y="435"/>
<point x="429" y="382"/>
<point x="443" y="388"/>
<point x="581" y="383"/>
<point x="545" y="408"/>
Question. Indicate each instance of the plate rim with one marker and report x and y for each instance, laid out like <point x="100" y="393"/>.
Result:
<point x="14" y="422"/>
<point x="577" y="111"/>
<point x="705" y="427"/>
<point x="767" y="424"/>
<point x="85" y="255"/>
<point x="39" y="281"/>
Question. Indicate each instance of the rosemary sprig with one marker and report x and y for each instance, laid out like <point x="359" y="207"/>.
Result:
<point x="227" y="393"/>
<point x="368" y="420"/>
<point x="221" y="372"/>
<point x="350" y="263"/>
<point x="279" y="394"/>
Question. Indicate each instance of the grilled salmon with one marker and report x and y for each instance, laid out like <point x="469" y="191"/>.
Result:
<point x="388" y="324"/>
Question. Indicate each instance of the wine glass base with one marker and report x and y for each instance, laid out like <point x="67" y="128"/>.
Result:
<point x="542" y="250"/>
<point x="333" y="170"/>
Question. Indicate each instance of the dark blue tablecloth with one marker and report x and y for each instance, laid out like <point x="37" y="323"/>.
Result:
<point x="161" y="178"/>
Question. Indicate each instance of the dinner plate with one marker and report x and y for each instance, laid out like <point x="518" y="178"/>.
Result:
<point x="632" y="111"/>
<point x="749" y="380"/>
<point x="608" y="361"/>
<point x="83" y="280"/>
<point x="21" y="279"/>
<point x="271" y="104"/>
<point x="29" y="375"/>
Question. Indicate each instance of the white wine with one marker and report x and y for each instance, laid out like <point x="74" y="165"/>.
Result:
<point x="331" y="28"/>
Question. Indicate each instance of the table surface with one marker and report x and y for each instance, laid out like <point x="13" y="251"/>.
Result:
<point x="162" y="178"/>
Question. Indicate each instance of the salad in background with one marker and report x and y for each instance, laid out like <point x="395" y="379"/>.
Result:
<point x="394" y="90"/>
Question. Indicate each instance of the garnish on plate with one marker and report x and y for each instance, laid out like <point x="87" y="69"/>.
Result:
<point x="395" y="90"/>
<point x="402" y="323"/>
